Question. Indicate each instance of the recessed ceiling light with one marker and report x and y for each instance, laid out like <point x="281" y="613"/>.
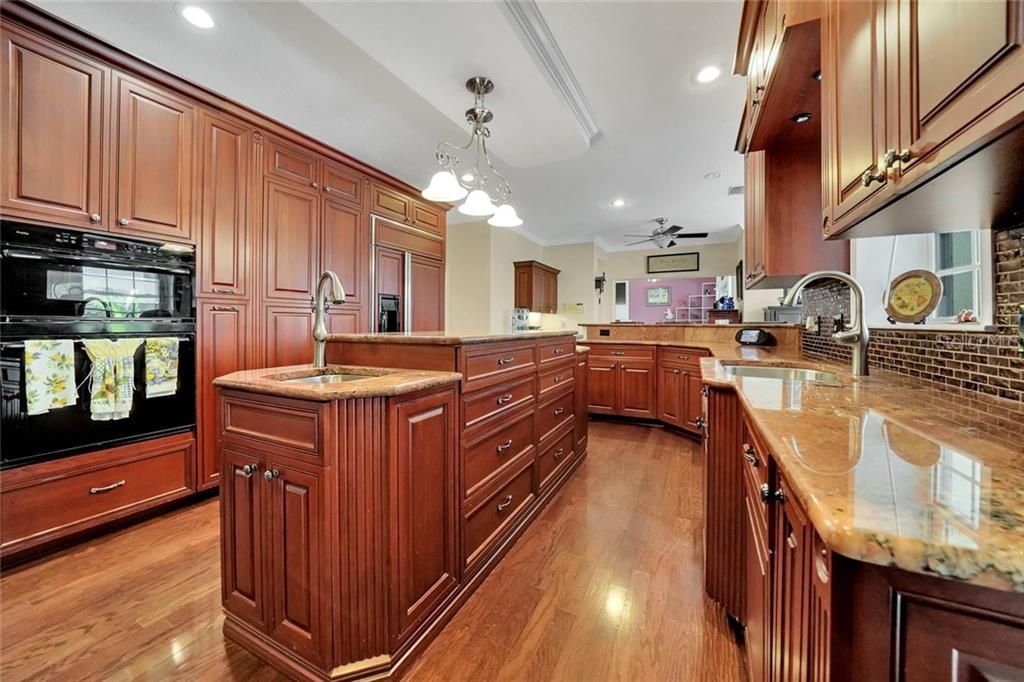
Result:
<point x="195" y="15"/>
<point x="467" y="177"/>
<point x="802" y="117"/>
<point x="619" y="203"/>
<point x="713" y="175"/>
<point x="708" y="74"/>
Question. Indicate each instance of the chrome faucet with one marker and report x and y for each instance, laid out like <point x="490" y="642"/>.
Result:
<point x="856" y="335"/>
<point x="320" y="314"/>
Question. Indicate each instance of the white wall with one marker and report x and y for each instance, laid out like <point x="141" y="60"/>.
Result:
<point x="507" y="247"/>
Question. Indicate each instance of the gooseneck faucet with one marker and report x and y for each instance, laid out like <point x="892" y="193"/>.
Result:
<point x="337" y="294"/>
<point x="856" y="335"/>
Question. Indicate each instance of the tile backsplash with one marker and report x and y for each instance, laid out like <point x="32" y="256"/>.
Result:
<point x="984" y="362"/>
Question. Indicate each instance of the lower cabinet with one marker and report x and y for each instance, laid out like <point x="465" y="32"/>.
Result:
<point x="224" y="348"/>
<point x="757" y="617"/>
<point x="580" y="401"/>
<point x="792" y="540"/>
<point x="624" y="387"/>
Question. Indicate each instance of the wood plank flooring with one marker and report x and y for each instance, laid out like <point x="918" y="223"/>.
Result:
<point x="605" y="585"/>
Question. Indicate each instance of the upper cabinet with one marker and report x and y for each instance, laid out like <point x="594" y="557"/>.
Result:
<point x="54" y="123"/>
<point x="392" y="204"/>
<point x="155" y="149"/>
<point x="536" y="286"/>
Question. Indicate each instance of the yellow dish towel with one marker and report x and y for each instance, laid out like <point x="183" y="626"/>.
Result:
<point x="161" y="366"/>
<point x="49" y="375"/>
<point x="113" y="377"/>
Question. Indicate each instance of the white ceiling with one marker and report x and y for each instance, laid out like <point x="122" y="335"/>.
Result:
<point x="383" y="81"/>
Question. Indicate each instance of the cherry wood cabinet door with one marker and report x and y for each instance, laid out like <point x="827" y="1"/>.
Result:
<point x="293" y="164"/>
<point x="426" y="293"/>
<point x="224" y="348"/>
<point x="390" y="271"/>
<point x="390" y="203"/>
<point x="54" y="123"/>
<point x="299" y="586"/>
<point x="580" y="401"/>
<point x="287" y="336"/>
<point x="155" y="149"/>
<point x="758" y="589"/>
<point x="791" y="592"/>
<point x="602" y="386"/>
<point x="424" y="512"/>
<point x="670" y="395"/>
<point x="523" y="287"/>
<point x="346" y="319"/>
<point x="342" y="184"/>
<point x="754" y="217"/>
<point x="223" y="225"/>
<point x="346" y="248"/>
<point x="854" y="100"/>
<point x="692" y="400"/>
<point x="242" y="531"/>
<point x="291" y="237"/>
<point x="426" y="218"/>
<point x="637" y="384"/>
<point x="961" y="77"/>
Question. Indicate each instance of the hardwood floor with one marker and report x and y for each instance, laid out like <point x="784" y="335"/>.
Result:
<point x="605" y="585"/>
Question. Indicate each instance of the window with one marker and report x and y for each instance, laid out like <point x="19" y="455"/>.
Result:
<point x="957" y="264"/>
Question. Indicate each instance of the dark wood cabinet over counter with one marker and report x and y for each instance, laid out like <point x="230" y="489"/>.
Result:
<point x="536" y="286"/>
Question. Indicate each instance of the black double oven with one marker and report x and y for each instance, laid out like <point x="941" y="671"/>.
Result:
<point x="65" y="284"/>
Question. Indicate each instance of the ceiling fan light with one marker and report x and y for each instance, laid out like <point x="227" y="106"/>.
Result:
<point x="478" y="203"/>
<point x="505" y="216"/>
<point x="444" y="187"/>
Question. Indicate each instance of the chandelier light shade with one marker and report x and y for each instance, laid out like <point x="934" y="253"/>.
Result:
<point x="477" y="204"/>
<point x="481" y="182"/>
<point x="505" y="216"/>
<point x="444" y="186"/>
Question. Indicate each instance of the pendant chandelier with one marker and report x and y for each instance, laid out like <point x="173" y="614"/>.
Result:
<point x="480" y="185"/>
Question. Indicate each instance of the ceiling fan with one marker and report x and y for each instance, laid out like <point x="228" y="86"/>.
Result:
<point x="665" y="237"/>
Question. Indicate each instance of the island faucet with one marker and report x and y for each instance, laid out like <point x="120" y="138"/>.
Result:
<point x="337" y="294"/>
<point x="856" y="335"/>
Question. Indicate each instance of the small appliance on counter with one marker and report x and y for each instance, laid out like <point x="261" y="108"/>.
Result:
<point x="520" y="320"/>
<point x="754" y="336"/>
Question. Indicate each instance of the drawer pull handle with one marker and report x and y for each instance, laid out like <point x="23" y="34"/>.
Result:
<point x="558" y="377"/>
<point x="507" y="502"/>
<point x="559" y="350"/>
<point x="683" y="357"/>
<point x="217" y="290"/>
<point x="766" y="493"/>
<point x="617" y="352"/>
<point x="271" y="474"/>
<point x="506" y="361"/>
<point x="224" y="308"/>
<point x="504" y="446"/>
<point x="504" y="399"/>
<point x="704" y="391"/>
<point x="106" y="488"/>
<point x="750" y="455"/>
<point x="249" y="469"/>
<point x="675" y="371"/>
<point x="558" y="453"/>
<point x="791" y="541"/>
<point x="559" y="411"/>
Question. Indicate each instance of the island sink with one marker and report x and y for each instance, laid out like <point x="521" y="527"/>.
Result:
<point x="783" y="373"/>
<point x="326" y="379"/>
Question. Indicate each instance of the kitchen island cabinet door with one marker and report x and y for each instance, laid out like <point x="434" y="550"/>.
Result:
<point x="291" y="241"/>
<point x="424" y="512"/>
<point x="155" y="150"/>
<point x="242" y="532"/>
<point x="602" y="386"/>
<point x="791" y="591"/>
<point x="299" y="589"/>
<point x="637" y="386"/>
<point x="693" y="400"/>
<point x="54" y="127"/>
<point x="670" y="395"/>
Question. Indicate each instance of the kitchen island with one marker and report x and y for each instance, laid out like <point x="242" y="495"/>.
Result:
<point x="364" y="501"/>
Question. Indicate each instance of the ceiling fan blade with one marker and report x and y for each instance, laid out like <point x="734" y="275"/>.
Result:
<point x="674" y="229"/>
<point x="637" y="235"/>
<point x="691" y="235"/>
<point x="640" y="242"/>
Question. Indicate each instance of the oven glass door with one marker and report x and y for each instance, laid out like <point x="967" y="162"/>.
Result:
<point x="53" y="285"/>
<point x="70" y="430"/>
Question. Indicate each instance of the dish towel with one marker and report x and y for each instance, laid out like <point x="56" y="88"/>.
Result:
<point x="113" y="377"/>
<point x="49" y="375"/>
<point x="161" y="367"/>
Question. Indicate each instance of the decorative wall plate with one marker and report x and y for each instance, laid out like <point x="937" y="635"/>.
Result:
<point x="913" y="296"/>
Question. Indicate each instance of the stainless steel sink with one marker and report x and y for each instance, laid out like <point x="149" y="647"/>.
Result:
<point x="783" y="373"/>
<point x="326" y="379"/>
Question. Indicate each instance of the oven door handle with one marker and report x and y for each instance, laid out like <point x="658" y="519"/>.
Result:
<point x="143" y="265"/>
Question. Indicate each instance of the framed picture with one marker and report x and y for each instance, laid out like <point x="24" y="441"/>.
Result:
<point x="674" y="262"/>
<point x="659" y="295"/>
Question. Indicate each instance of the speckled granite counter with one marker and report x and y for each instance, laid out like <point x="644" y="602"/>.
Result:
<point x="896" y="471"/>
<point x="378" y="382"/>
<point x="444" y="338"/>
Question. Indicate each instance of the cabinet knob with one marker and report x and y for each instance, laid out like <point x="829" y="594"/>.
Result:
<point x="766" y="493"/>
<point x="95" y="218"/>
<point x="559" y="411"/>
<point x="750" y="455"/>
<point x="123" y="222"/>
<point x="675" y="371"/>
<point x="327" y="188"/>
<point x="249" y="469"/>
<point x="314" y="184"/>
<point x="507" y="502"/>
<point x="700" y="422"/>
<point x="271" y="474"/>
<point x="779" y="496"/>
<point x="557" y="454"/>
<point x="705" y="391"/>
<point x="558" y="378"/>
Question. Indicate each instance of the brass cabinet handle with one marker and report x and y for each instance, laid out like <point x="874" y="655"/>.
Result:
<point x="766" y="493"/>
<point x="750" y="455"/>
<point x="559" y="411"/>
<point x="869" y="177"/>
<point x="504" y="446"/>
<point x="122" y="222"/>
<point x="106" y="488"/>
<point x="558" y="453"/>
<point x="504" y="399"/>
<point x="249" y="469"/>
<point x="505" y="361"/>
<point x="95" y="218"/>
<point x="271" y="474"/>
<point x="224" y="308"/>
<point x="217" y="290"/>
<point x="559" y="350"/>
<point x="507" y="502"/>
<point x="904" y="156"/>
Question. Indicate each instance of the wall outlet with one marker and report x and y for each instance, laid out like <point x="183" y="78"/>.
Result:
<point x="572" y="308"/>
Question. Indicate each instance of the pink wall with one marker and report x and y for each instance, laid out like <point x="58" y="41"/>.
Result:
<point x="680" y="288"/>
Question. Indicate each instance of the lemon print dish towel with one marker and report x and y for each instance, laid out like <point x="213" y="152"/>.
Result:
<point x="49" y="375"/>
<point x="161" y="367"/>
<point x="112" y="386"/>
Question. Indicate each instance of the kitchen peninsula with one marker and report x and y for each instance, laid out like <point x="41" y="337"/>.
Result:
<point x="364" y="501"/>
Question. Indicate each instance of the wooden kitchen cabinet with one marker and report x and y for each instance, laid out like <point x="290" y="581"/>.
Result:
<point x="621" y="384"/>
<point x="287" y="336"/>
<point x="390" y="203"/>
<point x="345" y="245"/>
<point x="153" y="177"/>
<point x="758" y="613"/>
<point x="426" y="293"/>
<point x="679" y="400"/>
<point x="536" y="286"/>
<point x="754" y="225"/>
<point x="580" y="399"/>
<point x="242" y="533"/>
<point x="602" y="386"/>
<point x="291" y="238"/>
<point x="54" y="120"/>
<point x="792" y="543"/>
<point x="671" y="398"/>
<point x="223" y="242"/>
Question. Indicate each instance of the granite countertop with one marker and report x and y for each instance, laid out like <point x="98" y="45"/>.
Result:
<point x="896" y="471"/>
<point x="444" y="338"/>
<point x="688" y="324"/>
<point x="380" y="382"/>
<point x="724" y="351"/>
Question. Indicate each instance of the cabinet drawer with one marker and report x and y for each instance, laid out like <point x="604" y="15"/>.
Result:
<point x="53" y="499"/>
<point x="556" y="378"/>
<point x="755" y="455"/>
<point x="756" y="505"/>
<point x="486" y="524"/>
<point x="478" y="408"/>
<point x="554" y="458"/>
<point x="295" y="424"/>
<point x="555" y="350"/>
<point x="553" y="414"/>
<point x="484" y="365"/>
<point x="490" y="454"/>
<point x="682" y="356"/>
<point x="623" y="352"/>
